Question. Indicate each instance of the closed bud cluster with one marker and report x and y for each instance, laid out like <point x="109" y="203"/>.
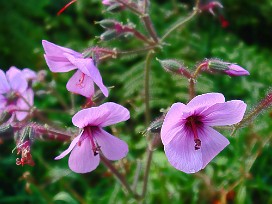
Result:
<point x="175" y="67"/>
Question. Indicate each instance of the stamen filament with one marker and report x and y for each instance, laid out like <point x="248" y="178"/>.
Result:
<point x="196" y="138"/>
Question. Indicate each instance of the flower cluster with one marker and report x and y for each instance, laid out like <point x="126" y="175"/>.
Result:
<point x="16" y="96"/>
<point x="93" y="140"/>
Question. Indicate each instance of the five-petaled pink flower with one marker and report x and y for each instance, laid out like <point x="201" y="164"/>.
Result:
<point x="189" y="141"/>
<point x="61" y="59"/>
<point x="86" y="147"/>
<point x="15" y="95"/>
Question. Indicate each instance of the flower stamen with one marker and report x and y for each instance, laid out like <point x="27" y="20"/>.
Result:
<point x="196" y="138"/>
<point x="81" y="80"/>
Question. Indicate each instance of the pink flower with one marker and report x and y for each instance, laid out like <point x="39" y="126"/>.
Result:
<point x="85" y="148"/>
<point x="14" y="93"/>
<point x="61" y="59"/>
<point x="189" y="141"/>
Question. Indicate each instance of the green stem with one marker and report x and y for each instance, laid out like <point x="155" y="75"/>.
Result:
<point x="129" y="6"/>
<point x="146" y="86"/>
<point x="192" y="80"/>
<point x="147" y="168"/>
<point x="177" y="25"/>
<point x="119" y="176"/>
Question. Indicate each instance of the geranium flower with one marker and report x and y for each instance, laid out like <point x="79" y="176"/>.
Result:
<point x="189" y="141"/>
<point x="14" y="93"/>
<point x="86" y="147"/>
<point x="61" y="59"/>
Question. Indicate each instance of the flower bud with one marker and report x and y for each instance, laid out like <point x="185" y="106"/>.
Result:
<point x="174" y="67"/>
<point x="155" y="126"/>
<point x="5" y="116"/>
<point x="6" y="131"/>
<point x="107" y="23"/>
<point x="227" y="68"/>
<point x="109" y="35"/>
<point x="115" y="7"/>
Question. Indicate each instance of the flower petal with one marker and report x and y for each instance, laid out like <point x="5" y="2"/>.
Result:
<point x="28" y="96"/>
<point x="58" y="63"/>
<point x="4" y="85"/>
<point x="117" y="114"/>
<point x="56" y="50"/>
<point x="16" y="80"/>
<point x="81" y="84"/>
<point x="212" y="142"/>
<point x="205" y="100"/>
<point x="72" y="145"/>
<point x="172" y="124"/>
<point x="3" y="102"/>
<point x="86" y="65"/>
<point x="181" y="153"/>
<point x="228" y="113"/>
<point x="112" y="147"/>
<point x="29" y="74"/>
<point x="82" y="159"/>
<point x="103" y="115"/>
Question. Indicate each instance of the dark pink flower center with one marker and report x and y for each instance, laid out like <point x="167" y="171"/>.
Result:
<point x="95" y="146"/>
<point x="193" y="122"/>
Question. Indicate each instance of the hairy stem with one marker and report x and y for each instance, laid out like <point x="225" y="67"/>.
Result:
<point x="119" y="176"/>
<point x="146" y="86"/>
<point x="182" y="22"/>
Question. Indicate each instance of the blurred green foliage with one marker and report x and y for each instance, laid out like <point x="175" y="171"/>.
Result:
<point x="234" y="173"/>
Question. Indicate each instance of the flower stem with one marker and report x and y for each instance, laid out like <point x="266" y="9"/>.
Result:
<point x="147" y="168"/>
<point x="146" y="86"/>
<point x="119" y="176"/>
<point x="149" y="27"/>
<point x="182" y="22"/>
<point x="192" y="80"/>
<point x="129" y="6"/>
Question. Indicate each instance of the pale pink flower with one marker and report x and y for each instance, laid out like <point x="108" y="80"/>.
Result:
<point x="61" y="59"/>
<point x="189" y="141"/>
<point x="15" y="95"/>
<point x="86" y="147"/>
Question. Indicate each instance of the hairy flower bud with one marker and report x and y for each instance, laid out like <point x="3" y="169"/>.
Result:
<point x="5" y="116"/>
<point x="109" y="35"/>
<point x="230" y="69"/>
<point x="107" y="23"/>
<point x="175" y="67"/>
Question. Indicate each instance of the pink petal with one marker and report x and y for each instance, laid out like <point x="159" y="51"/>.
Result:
<point x="56" y="50"/>
<point x="112" y="147"/>
<point x="205" y="100"/>
<point x="4" y="85"/>
<point x="3" y="102"/>
<point x="81" y="84"/>
<point x="16" y="80"/>
<point x="82" y="159"/>
<point x="58" y="63"/>
<point x="227" y="113"/>
<point x="212" y="142"/>
<point x="72" y="145"/>
<point x="86" y="65"/>
<point x="103" y="115"/>
<point x="117" y="114"/>
<point x="29" y="74"/>
<point x="181" y="153"/>
<point x="172" y="124"/>
<point x="21" y="104"/>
